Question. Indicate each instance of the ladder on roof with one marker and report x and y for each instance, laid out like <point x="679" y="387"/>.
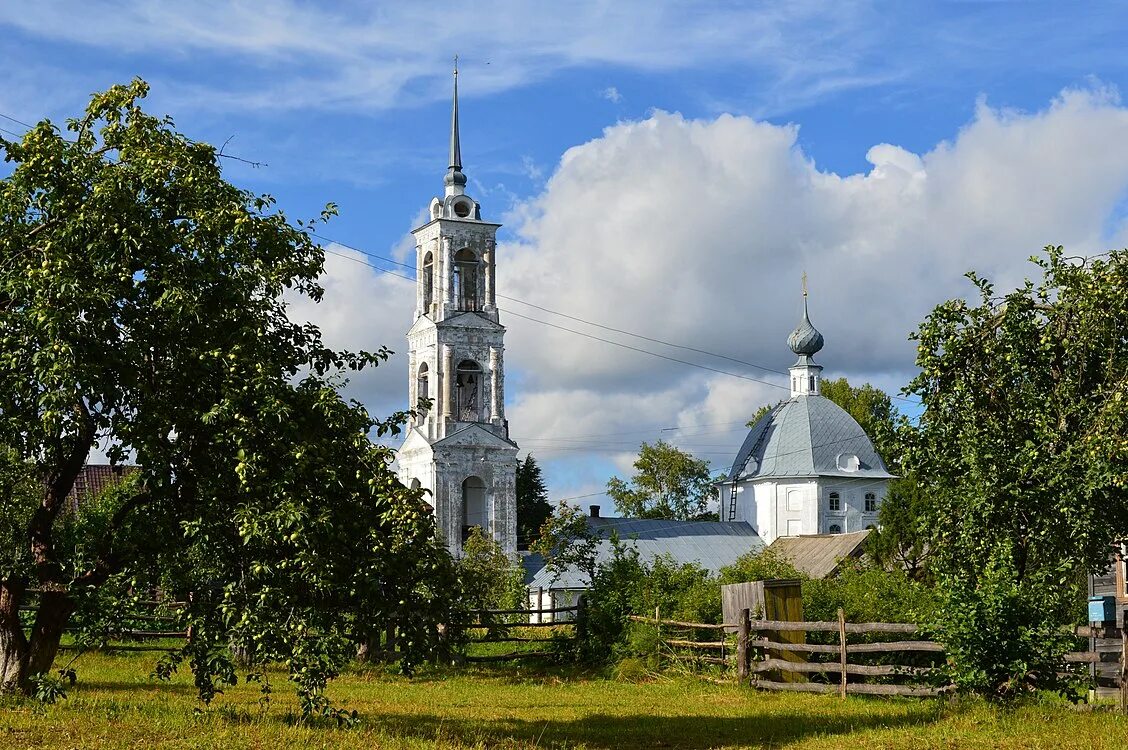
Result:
<point x="732" y="502"/>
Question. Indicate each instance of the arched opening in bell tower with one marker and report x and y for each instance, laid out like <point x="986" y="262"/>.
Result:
<point x="467" y="280"/>
<point x="428" y="281"/>
<point x="473" y="505"/>
<point x="468" y="391"/>
<point x="422" y="387"/>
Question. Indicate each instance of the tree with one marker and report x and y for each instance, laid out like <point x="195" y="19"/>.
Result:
<point x="142" y="309"/>
<point x="871" y="408"/>
<point x="900" y="542"/>
<point x="533" y="508"/>
<point x="488" y="577"/>
<point x="1021" y="450"/>
<point x="668" y="483"/>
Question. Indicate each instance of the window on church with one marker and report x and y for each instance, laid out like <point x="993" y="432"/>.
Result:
<point x="467" y="280"/>
<point x="428" y="281"/>
<point x="473" y="505"/>
<point x="835" y="529"/>
<point x="811" y="384"/>
<point x="468" y="391"/>
<point x="834" y="502"/>
<point x="422" y="385"/>
<point x="871" y="502"/>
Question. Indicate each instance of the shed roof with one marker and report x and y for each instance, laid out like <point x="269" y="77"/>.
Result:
<point x="819" y="555"/>
<point x="710" y="544"/>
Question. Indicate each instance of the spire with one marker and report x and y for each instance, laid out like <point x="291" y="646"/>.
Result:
<point x="805" y="341"/>
<point x="454" y="179"/>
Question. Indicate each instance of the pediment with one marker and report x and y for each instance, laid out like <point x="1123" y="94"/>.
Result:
<point x="472" y="320"/>
<point x="475" y="435"/>
<point x="422" y="323"/>
<point x="415" y="441"/>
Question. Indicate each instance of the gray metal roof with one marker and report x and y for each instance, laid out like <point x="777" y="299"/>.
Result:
<point x="710" y="544"/>
<point x="804" y="437"/>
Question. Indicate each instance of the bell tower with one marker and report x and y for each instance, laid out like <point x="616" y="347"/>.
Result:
<point x="458" y="446"/>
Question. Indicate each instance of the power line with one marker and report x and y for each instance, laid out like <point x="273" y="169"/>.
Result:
<point x="599" y="325"/>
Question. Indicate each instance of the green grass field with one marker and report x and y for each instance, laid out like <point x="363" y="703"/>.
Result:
<point x="116" y="705"/>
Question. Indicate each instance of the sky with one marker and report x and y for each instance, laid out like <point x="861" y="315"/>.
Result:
<point x="665" y="173"/>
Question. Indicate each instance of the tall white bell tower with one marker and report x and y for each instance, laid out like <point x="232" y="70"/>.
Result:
<point x="459" y="446"/>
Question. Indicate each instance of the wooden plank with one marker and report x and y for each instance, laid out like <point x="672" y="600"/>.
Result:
<point x="509" y="657"/>
<point x="1083" y="657"/>
<point x="864" y="670"/>
<point x="509" y="625"/>
<point x="783" y="602"/>
<point x="803" y="648"/>
<point x="553" y="611"/>
<point x="679" y="624"/>
<point x="695" y="644"/>
<point x="879" y="648"/>
<point x="1085" y="631"/>
<point x="832" y="627"/>
<point x="794" y="687"/>
<point x="910" y="691"/>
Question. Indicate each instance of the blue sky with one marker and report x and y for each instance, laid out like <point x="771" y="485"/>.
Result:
<point x="666" y="169"/>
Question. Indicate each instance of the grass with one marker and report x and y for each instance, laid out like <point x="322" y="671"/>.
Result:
<point x="116" y="705"/>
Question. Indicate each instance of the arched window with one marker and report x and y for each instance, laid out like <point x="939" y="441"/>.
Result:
<point x="835" y="529"/>
<point x="871" y="502"/>
<point x="428" y="281"/>
<point x="468" y="391"/>
<point x="811" y="384"/>
<point x="834" y="502"/>
<point x="467" y="280"/>
<point x="422" y="385"/>
<point x="473" y="505"/>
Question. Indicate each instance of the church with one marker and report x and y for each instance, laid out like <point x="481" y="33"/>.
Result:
<point x="458" y="445"/>
<point x="806" y="467"/>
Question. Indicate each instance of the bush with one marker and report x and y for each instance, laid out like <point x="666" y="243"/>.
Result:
<point x="1003" y="636"/>
<point x="489" y="578"/>
<point x="868" y="593"/>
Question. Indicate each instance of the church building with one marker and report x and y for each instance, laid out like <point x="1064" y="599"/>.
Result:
<point x="458" y="446"/>
<point x="807" y="466"/>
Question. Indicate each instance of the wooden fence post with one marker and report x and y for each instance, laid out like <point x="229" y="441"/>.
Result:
<point x="743" y="644"/>
<point x="842" y="650"/>
<point x="1124" y="667"/>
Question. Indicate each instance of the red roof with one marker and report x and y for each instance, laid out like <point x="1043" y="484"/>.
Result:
<point x="93" y="479"/>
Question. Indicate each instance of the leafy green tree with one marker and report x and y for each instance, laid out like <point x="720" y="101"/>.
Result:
<point x="872" y="408"/>
<point x="1021" y="450"/>
<point x="141" y="308"/>
<point x="668" y="483"/>
<point x="533" y="508"/>
<point x="489" y="578"/>
<point x="901" y="540"/>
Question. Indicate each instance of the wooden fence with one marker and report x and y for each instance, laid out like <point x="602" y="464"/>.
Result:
<point x="500" y="630"/>
<point x="768" y="662"/>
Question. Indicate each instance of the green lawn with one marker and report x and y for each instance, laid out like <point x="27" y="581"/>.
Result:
<point x="115" y="705"/>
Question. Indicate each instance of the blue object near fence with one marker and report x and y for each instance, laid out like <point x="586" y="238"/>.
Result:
<point x="1102" y="609"/>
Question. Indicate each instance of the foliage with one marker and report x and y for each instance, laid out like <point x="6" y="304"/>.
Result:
<point x="1003" y="636"/>
<point x="871" y="408"/>
<point x="567" y="540"/>
<point x="668" y="483"/>
<point x="142" y="309"/>
<point x="900" y="542"/>
<point x="764" y="565"/>
<point x="488" y="577"/>
<point x="1022" y="453"/>
<point x="869" y="593"/>
<point x="533" y="508"/>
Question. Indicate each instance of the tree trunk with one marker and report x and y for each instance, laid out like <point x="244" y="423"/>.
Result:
<point x="55" y="608"/>
<point x="13" y="642"/>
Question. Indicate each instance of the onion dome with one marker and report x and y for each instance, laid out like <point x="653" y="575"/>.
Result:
<point x="806" y="339"/>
